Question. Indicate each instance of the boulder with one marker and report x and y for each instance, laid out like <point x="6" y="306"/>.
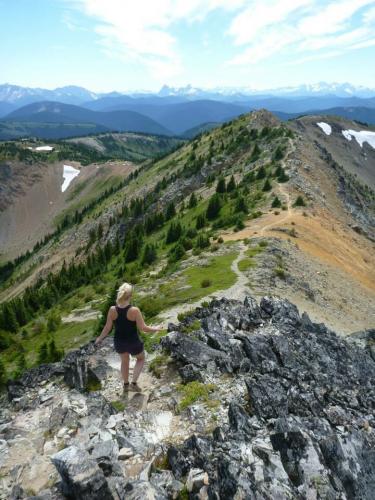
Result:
<point x="80" y="474"/>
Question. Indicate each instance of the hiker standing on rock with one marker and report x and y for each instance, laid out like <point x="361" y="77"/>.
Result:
<point x="127" y="320"/>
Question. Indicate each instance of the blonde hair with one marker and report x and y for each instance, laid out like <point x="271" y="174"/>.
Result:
<point x="124" y="293"/>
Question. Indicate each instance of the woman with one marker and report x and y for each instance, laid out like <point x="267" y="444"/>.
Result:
<point x="128" y="320"/>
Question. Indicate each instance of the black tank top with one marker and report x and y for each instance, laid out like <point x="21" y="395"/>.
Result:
<point x="124" y="327"/>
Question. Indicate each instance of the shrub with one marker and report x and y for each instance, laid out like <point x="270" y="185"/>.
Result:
<point x="280" y="272"/>
<point x="203" y="241"/>
<point x="176" y="253"/>
<point x="53" y="322"/>
<point x="194" y="391"/>
<point x="300" y="202"/>
<point x="206" y="283"/>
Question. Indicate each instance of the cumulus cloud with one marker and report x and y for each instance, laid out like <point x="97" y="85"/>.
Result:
<point x="148" y="32"/>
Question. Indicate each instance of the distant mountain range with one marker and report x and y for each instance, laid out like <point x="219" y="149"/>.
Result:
<point x="186" y="111"/>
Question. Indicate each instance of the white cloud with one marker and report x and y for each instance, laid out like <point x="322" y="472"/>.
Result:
<point x="247" y="25"/>
<point x="332" y="18"/>
<point x="292" y="27"/>
<point x="147" y="32"/>
<point x="141" y="30"/>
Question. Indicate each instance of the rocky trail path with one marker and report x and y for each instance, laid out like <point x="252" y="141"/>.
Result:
<point x="237" y="291"/>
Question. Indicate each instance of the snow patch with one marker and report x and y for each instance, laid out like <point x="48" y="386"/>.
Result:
<point x="69" y="174"/>
<point x="44" y="148"/>
<point x="361" y="136"/>
<point x="327" y="129"/>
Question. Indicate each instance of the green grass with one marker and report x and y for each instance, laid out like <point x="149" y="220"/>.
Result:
<point x="68" y="336"/>
<point x="118" y="405"/>
<point x="150" y="340"/>
<point x="195" y="325"/>
<point x="193" y="392"/>
<point x="218" y="271"/>
<point x="157" y="365"/>
<point x="246" y="264"/>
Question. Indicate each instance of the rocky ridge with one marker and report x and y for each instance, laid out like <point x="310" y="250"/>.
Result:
<point x="293" y="415"/>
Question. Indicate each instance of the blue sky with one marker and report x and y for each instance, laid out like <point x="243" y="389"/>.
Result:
<point x="124" y="45"/>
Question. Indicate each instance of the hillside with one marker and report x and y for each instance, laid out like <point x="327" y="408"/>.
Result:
<point x="255" y="207"/>
<point x="32" y="203"/>
<point x="65" y="115"/>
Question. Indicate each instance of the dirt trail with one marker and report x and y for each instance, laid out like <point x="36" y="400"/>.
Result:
<point x="236" y="291"/>
<point x="288" y="214"/>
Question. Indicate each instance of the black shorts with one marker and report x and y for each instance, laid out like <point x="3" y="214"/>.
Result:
<point x="134" y="347"/>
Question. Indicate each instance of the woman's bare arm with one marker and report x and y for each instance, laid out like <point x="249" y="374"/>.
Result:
<point x="107" y="327"/>
<point x="141" y="325"/>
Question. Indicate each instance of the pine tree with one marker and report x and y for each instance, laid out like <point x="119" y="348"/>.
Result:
<point x="174" y="232"/>
<point x="300" y="202"/>
<point x="171" y="211"/>
<point x="193" y="200"/>
<point x="9" y="319"/>
<point x="43" y="353"/>
<point x="214" y="206"/>
<point x="53" y="354"/>
<point x="231" y="185"/>
<point x="201" y="221"/>
<point x="176" y="253"/>
<point x="241" y="205"/>
<point x="276" y="202"/>
<point x="261" y="173"/>
<point x="203" y="241"/>
<point x="279" y="153"/>
<point x="267" y="186"/>
<point x="3" y="376"/>
<point x="221" y="186"/>
<point x="256" y="153"/>
<point x="149" y="254"/>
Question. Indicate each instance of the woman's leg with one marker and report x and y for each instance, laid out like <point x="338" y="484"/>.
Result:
<point x="138" y="366"/>
<point x="125" y="366"/>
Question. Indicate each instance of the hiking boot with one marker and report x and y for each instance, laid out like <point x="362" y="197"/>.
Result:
<point x="134" y="387"/>
<point x="126" y="386"/>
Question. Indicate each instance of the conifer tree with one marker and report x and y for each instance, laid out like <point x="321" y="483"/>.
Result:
<point x="174" y="232"/>
<point x="3" y="377"/>
<point x="43" y="353"/>
<point x="261" y="173"/>
<point x="149" y="254"/>
<point x="221" y="187"/>
<point x="276" y="203"/>
<point x="231" y="185"/>
<point x="241" y="205"/>
<point x="53" y="354"/>
<point x="171" y="211"/>
<point x="200" y="222"/>
<point x="214" y="206"/>
<point x="267" y="185"/>
<point x="193" y="200"/>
